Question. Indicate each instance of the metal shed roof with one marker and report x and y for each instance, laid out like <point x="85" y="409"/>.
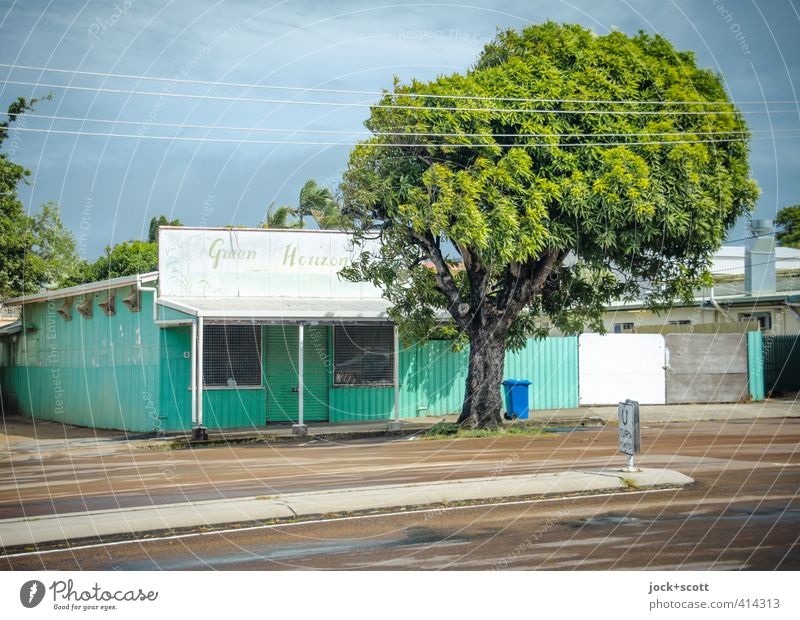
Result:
<point x="281" y="308"/>
<point x="82" y="289"/>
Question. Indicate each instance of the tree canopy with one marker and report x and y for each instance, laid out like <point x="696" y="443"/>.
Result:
<point x="562" y="171"/>
<point x="35" y="250"/>
<point x="788" y="222"/>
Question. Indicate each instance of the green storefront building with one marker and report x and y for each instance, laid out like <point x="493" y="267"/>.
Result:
<point x="240" y="328"/>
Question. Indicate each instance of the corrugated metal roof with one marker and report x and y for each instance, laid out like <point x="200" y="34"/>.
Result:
<point x="81" y="289"/>
<point x="281" y="308"/>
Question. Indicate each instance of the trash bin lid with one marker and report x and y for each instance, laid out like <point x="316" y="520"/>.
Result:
<point x="512" y="382"/>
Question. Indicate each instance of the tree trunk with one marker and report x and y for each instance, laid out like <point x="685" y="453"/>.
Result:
<point x="483" y="404"/>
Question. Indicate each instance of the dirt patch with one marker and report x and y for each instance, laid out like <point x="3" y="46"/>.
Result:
<point x="18" y="428"/>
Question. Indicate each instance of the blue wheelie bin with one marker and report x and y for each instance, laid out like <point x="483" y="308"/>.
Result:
<point x="516" y="391"/>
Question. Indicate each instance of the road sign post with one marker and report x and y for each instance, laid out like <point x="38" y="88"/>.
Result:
<point x="629" y="438"/>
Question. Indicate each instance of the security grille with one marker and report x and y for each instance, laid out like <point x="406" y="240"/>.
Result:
<point x="363" y="355"/>
<point x="231" y="355"/>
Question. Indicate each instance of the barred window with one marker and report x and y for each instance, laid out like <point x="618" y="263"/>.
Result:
<point x="363" y="355"/>
<point x="231" y="355"/>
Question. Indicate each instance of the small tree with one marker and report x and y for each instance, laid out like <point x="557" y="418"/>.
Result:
<point x="542" y="197"/>
<point x="155" y="222"/>
<point x="788" y="222"/>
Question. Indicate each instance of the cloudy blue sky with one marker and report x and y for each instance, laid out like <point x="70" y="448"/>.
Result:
<point x="109" y="187"/>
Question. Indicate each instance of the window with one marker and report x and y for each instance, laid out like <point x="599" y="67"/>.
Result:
<point x="681" y="322"/>
<point x="764" y="319"/>
<point x="363" y="355"/>
<point x="622" y="328"/>
<point x="231" y="355"/>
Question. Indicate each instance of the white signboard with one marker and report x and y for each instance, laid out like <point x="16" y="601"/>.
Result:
<point x="628" y="418"/>
<point x="222" y="262"/>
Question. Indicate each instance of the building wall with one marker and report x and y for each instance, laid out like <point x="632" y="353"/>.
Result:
<point x="783" y="320"/>
<point x="98" y="372"/>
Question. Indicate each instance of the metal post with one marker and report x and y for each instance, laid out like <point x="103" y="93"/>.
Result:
<point x="199" y="431"/>
<point x="194" y="374"/>
<point x="631" y="466"/>
<point x="300" y="428"/>
<point x="395" y="424"/>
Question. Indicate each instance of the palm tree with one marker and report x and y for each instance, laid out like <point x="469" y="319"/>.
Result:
<point x="279" y="218"/>
<point x="319" y="203"/>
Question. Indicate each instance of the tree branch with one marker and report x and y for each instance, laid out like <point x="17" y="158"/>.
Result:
<point x="445" y="282"/>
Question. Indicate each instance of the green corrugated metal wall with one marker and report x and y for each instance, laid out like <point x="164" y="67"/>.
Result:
<point x="123" y="371"/>
<point x="551" y="364"/>
<point x="782" y="363"/>
<point x="100" y="372"/>
<point x="755" y="364"/>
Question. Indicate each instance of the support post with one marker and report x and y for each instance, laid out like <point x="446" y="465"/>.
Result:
<point x="194" y="374"/>
<point x="395" y="423"/>
<point x="199" y="432"/>
<point x="300" y="428"/>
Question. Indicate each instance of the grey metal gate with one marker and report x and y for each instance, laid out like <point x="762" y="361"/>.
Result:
<point x="706" y="368"/>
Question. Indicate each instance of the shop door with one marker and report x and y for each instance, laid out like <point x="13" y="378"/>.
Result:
<point x="281" y="373"/>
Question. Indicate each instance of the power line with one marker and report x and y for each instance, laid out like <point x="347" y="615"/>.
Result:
<point x="146" y="123"/>
<point x="769" y="234"/>
<point x="341" y="91"/>
<point x="790" y="259"/>
<point x="399" y="106"/>
<point x="385" y="144"/>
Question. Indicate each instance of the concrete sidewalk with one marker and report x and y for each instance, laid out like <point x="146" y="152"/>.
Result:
<point x="69" y="526"/>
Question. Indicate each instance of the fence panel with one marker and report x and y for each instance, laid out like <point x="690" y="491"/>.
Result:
<point x="614" y="367"/>
<point x="706" y="368"/>
<point x="782" y="364"/>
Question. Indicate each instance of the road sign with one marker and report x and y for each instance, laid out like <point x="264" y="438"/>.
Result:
<point x="629" y="439"/>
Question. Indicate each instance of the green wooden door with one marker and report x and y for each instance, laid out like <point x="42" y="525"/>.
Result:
<point x="281" y="373"/>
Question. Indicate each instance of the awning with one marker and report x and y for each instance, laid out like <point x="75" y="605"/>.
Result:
<point x="281" y="309"/>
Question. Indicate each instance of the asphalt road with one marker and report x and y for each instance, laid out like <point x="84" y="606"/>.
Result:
<point x="743" y="513"/>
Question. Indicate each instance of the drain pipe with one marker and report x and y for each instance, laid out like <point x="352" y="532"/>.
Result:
<point x="793" y="308"/>
<point x="718" y="307"/>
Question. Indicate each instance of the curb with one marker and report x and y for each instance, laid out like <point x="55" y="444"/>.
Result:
<point x="53" y="528"/>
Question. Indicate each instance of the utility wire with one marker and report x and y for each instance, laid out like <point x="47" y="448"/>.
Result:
<point x="340" y="91"/>
<point x="387" y="144"/>
<point x="146" y="123"/>
<point x="399" y="106"/>
<point x="769" y="234"/>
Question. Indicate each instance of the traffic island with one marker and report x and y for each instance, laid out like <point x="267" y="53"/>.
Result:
<point x="23" y="532"/>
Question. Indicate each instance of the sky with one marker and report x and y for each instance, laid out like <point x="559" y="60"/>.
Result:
<point x="109" y="187"/>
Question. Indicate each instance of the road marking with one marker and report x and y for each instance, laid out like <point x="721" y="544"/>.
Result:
<point x="333" y="519"/>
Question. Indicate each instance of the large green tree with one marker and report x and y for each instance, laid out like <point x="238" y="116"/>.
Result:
<point x="545" y="197"/>
<point x="788" y="222"/>
<point x="35" y="250"/>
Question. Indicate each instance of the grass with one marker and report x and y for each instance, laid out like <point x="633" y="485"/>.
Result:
<point x="451" y="430"/>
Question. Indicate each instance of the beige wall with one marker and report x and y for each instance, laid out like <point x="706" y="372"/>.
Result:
<point x="783" y="320"/>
